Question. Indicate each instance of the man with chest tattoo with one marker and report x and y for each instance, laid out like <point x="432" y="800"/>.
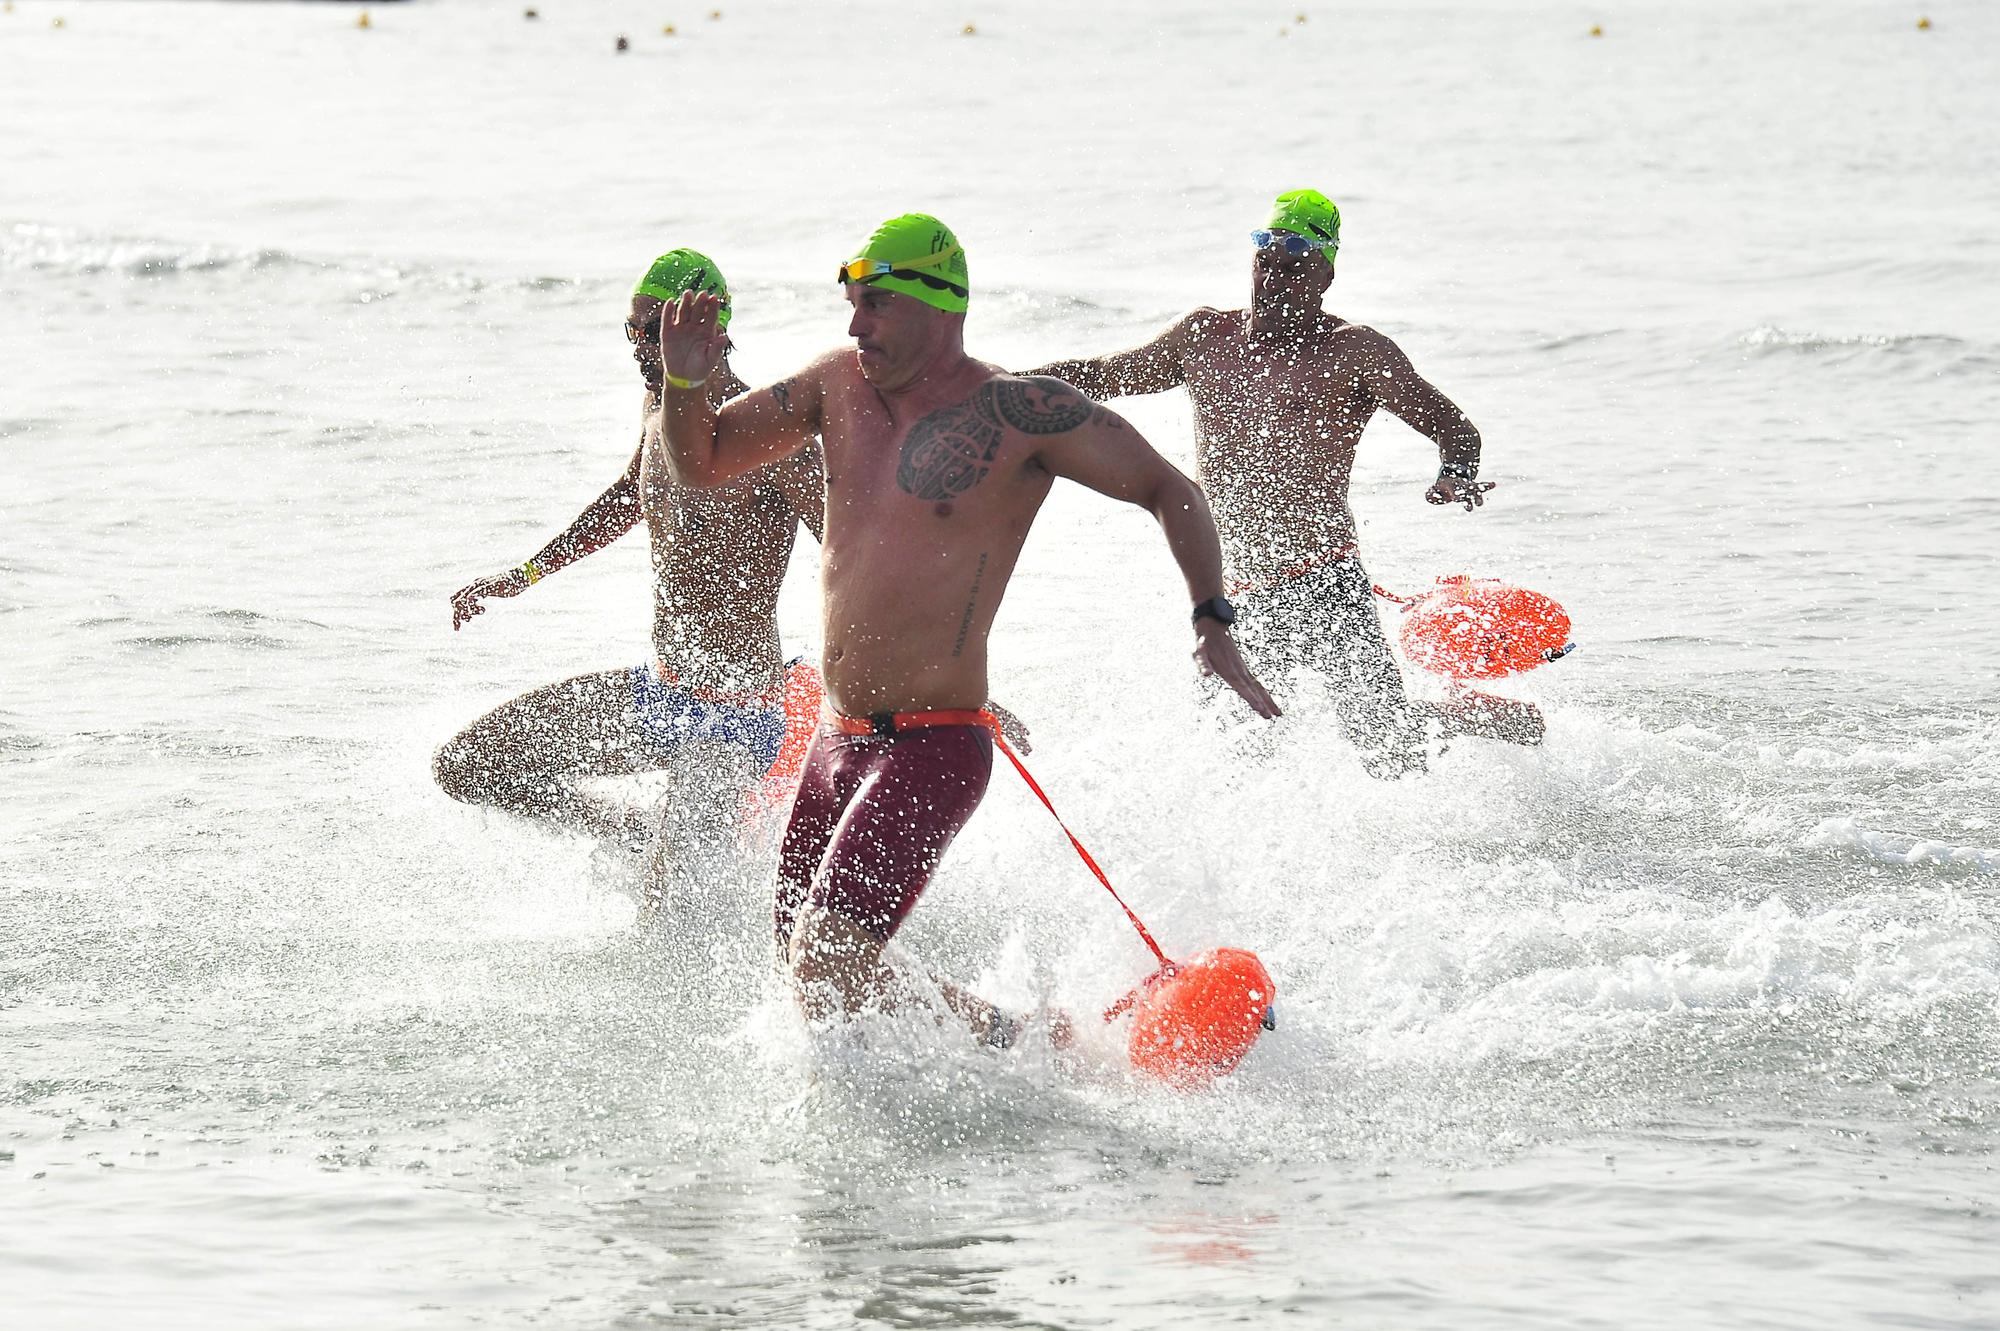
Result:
<point x="935" y="467"/>
<point x="1281" y="393"/>
<point x="707" y="710"/>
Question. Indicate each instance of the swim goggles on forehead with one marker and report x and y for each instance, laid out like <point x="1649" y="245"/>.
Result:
<point x="1290" y="241"/>
<point x="860" y="270"/>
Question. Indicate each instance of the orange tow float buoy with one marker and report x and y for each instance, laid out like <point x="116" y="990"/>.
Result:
<point x="805" y="692"/>
<point x="1194" y="1022"/>
<point x="1480" y="628"/>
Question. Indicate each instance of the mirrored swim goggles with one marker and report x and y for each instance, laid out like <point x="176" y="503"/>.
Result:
<point x="1291" y="242"/>
<point x="861" y="270"/>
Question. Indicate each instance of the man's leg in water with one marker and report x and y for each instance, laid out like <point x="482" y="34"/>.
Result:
<point x="527" y="755"/>
<point x="1485" y="716"/>
<point x="706" y="782"/>
<point x="1326" y="620"/>
<point x="1337" y="629"/>
<point x="872" y="819"/>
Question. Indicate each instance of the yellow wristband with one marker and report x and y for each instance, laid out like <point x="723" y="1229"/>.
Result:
<point x="675" y="381"/>
<point x="531" y="571"/>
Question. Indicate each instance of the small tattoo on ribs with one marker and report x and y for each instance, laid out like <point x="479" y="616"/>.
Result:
<point x="971" y="600"/>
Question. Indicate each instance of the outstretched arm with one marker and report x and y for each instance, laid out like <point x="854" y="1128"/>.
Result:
<point x="1152" y="368"/>
<point x="608" y="517"/>
<point x="1395" y="385"/>
<point x="1095" y="447"/>
<point x="707" y="447"/>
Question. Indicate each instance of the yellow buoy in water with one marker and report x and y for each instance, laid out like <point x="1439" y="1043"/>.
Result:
<point x="669" y="30"/>
<point x="1300" y="19"/>
<point x="363" y="21"/>
<point x="715" y="13"/>
<point x="1597" y="30"/>
<point x="1923" y="25"/>
<point x="968" y="31"/>
<point x="60" y="23"/>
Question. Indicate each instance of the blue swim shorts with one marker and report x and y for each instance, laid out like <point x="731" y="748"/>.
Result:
<point x="669" y="716"/>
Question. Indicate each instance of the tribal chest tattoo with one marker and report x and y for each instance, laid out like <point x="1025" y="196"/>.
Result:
<point x="950" y="451"/>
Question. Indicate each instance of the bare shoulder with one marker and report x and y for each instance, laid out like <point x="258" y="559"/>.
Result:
<point x="829" y="369"/>
<point x="1361" y="338"/>
<point x="802" y="393"/>
<point x="839" y="363"/>
<point x="1206" y="319"/>
<point x="1035" y="404"/>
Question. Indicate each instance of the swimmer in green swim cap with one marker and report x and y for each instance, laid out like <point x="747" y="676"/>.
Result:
<point x="1281" y="392"/>
<point x="937" y="464"/>
<point x="705" y="708"/>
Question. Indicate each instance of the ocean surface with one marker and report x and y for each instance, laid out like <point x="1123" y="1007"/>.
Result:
<point x="1690" y="1018"/>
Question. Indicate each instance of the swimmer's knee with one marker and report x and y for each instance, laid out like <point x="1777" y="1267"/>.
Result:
<point x="464" y="773"/>
<point x="833" y="962"/>
<point x="825" y="941"/>
<point x="455" y="774"/>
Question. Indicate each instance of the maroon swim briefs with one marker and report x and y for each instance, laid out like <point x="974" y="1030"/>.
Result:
<point x="873" y="817"/>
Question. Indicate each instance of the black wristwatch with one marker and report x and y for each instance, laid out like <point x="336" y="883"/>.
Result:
<point x="1216" y="608"/>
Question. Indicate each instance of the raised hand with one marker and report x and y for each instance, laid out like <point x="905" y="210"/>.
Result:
<point x="691" y="338"/>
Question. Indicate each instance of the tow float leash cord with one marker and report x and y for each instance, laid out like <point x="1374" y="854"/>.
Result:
<point x="1167" y="967"/>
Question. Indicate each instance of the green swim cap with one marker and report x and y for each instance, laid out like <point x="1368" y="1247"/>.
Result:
<point x="924" y="261"/>
<point x="684" y="270"/>
<point x="1307" y="212"/>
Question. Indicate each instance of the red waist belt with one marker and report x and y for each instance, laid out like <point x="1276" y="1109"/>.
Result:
<point x="892" y="723"/>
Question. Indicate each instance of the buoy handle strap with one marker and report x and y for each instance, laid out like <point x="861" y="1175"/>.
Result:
<point x="1000" y="740"/>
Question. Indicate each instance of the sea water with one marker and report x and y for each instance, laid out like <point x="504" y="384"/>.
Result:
<point x="1686" y="1018"/>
